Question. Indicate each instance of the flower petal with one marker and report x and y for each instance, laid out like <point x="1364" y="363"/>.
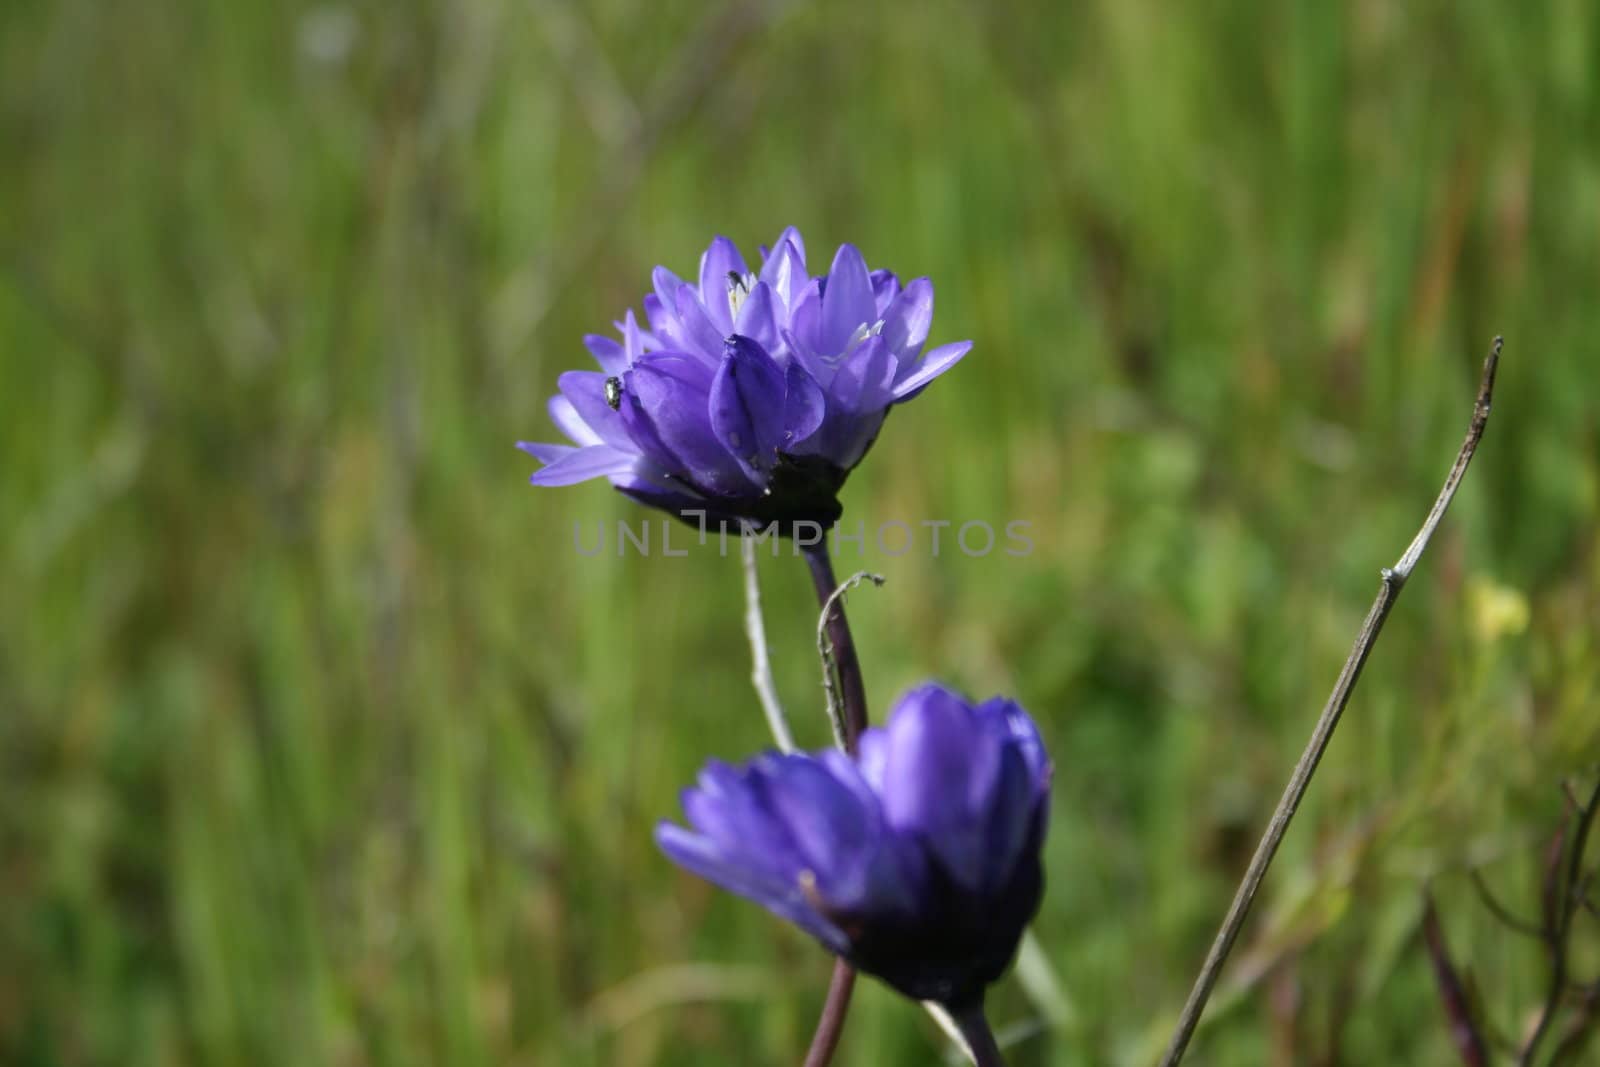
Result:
<point x="666" y="285"/>
<point x="804" y="406"/>
<point x="885" y="287"/>
<point x="662" y="322"/>
<point x="666" y="407"/>
<point x="758" y="319"/>
<point x="939" y="779"/>
<point x="906" y="322"/>
<point x="915" y="377"/>
<point x="1006" y="719"/>
<point x="792" y="236"/>
<point x="607" y="352"/>
<point x="838" y="833"/>
<point x="785" y="272"/>
<point x="585" y="390"/>
<point x="717" y="262"/>
<point x="567" y="420"/>
<point x="595" y="461"/>
<point x="872" y="755"/>
<point x="804" y="335"/>
<point x="700" y="337"/>
<point x="700" y="856"/>
<point x="635" y="342"/>
<point x="828" y="822"/>
<point x="546" y="454"/>
<point x="865" y="380"/>
<point x="1010" y="818"/>
<point x="847" y="300"/>
<point x="747" y="406"/>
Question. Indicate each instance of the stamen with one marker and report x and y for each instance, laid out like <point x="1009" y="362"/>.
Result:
<point x="739" y="287"/>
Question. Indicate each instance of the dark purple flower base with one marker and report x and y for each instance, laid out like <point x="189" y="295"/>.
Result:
<point x="804" y="490"/>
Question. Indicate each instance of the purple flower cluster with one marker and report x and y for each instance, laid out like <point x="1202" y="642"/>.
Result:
<point x="752" y="394"/>
<point x="748" y="397"/>
<point x="918" y="862"/>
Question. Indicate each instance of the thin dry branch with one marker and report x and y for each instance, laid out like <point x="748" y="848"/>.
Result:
<point x="1394" y="579"/>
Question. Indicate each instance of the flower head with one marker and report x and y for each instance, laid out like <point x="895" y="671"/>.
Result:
<point x="752" y="394"/>
<point x="919" y="863"/>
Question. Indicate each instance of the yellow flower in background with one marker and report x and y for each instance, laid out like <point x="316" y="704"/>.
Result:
<point x="1496" y="610"/>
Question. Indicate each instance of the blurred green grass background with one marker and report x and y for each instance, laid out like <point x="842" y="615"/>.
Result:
<point x="320" y="745"/>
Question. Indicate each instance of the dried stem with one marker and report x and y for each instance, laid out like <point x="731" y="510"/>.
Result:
<point x="1580" y="1030"/>
<point x="1500" y="911"/>
<point x="1465" y="1033"/>
<point x="1565" y="906"/>
<point x="1394" y="579"/>
<point x="760" y="665"/>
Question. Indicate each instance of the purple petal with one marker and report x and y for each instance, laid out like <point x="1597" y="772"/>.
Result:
<point x="872" y="754"/>
<point x="747" y="406"/>
<point x="666" y="409"/>
<point x="607" y="352"/>
<point x="804" y="405"/>
<point x="940" y="776"/>
<point x="730" y="808"/>
<point x="804" y="335"/>
<point x="1010" y="817"/>
<point x="700" y="337"/>
<point x="837" y="829"/>
<point x="546" y="454"/>
<point x="1006" y="720"/>
<point x="703" y="858"/>
<point x="595" y="461"/>
<point x="566" y="418"/>
<point x="844" y="437"/>
<point x="827" y="822"/>
<point x="585" y="390"/>
<point x="635" y="342"/>
<point x="847" y="300"/>
<point x="906" y="322"/>
<point x="662" y="322"/>
<point x="712" y="859"/>
<point x="885" y="287"/>
<point x="928" y="368"/>
<point x="663" y="313"/>
<point x="785" y="272"/>
<point x="865" y="381"/>
<point x="792" y="236"/>
<point x="718" y="261"/>
<point x="758" y="318"/>
<point x="666" y="285"/>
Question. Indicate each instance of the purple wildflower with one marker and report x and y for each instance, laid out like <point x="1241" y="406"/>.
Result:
<point x="919" y="863"/>
<point x="752" y="394"/>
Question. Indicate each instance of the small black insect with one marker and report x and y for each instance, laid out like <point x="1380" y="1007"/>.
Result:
<point x="614" y="393"/>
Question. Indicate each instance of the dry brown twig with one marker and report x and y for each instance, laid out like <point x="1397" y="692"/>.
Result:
<point x="1394" y="579"/>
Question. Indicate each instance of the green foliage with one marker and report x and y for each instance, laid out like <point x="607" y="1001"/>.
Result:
<point x="319" y="744"/>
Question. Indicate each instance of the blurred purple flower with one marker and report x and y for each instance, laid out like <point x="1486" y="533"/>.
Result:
<point x="919" y="863"/>
<point x="752" y="394"/>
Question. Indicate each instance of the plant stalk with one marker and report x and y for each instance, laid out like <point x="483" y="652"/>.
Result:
<point x="1394" y="579"/>
<point x="853" y="693"/>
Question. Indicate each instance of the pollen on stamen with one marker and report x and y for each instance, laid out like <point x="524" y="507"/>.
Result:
<point x="864" y="331"/>
<point x="739" y="287"/>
